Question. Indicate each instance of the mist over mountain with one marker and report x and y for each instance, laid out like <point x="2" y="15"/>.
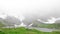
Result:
<point x="10" y="21"/>
<point x="28" y="11"/>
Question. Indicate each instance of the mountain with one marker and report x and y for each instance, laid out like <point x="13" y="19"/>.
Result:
<point x="10" y="21"/>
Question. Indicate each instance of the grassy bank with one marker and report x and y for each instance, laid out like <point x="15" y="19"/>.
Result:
<point x="24" y="31"/>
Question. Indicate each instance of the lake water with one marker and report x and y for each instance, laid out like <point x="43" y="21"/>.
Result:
<point x="43" y="29"/>
<point x="40" y="29"/>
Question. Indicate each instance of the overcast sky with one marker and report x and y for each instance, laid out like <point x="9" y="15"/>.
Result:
<point x="29" y="7"/>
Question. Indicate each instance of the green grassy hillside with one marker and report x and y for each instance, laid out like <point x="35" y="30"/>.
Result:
<point x="23" y="30"/>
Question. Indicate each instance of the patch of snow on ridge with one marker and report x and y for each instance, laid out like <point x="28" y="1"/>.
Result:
<point x="20" y="25"/>
<point x="49" y="21"/>
<point x="30" y="24"/>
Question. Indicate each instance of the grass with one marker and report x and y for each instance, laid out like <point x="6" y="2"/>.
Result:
<point x="23" y="30"/>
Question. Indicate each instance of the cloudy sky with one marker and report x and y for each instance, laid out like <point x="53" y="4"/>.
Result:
<point x="30" y="7"/>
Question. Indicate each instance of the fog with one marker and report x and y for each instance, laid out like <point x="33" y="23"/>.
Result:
<point x="40" y="8"/>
